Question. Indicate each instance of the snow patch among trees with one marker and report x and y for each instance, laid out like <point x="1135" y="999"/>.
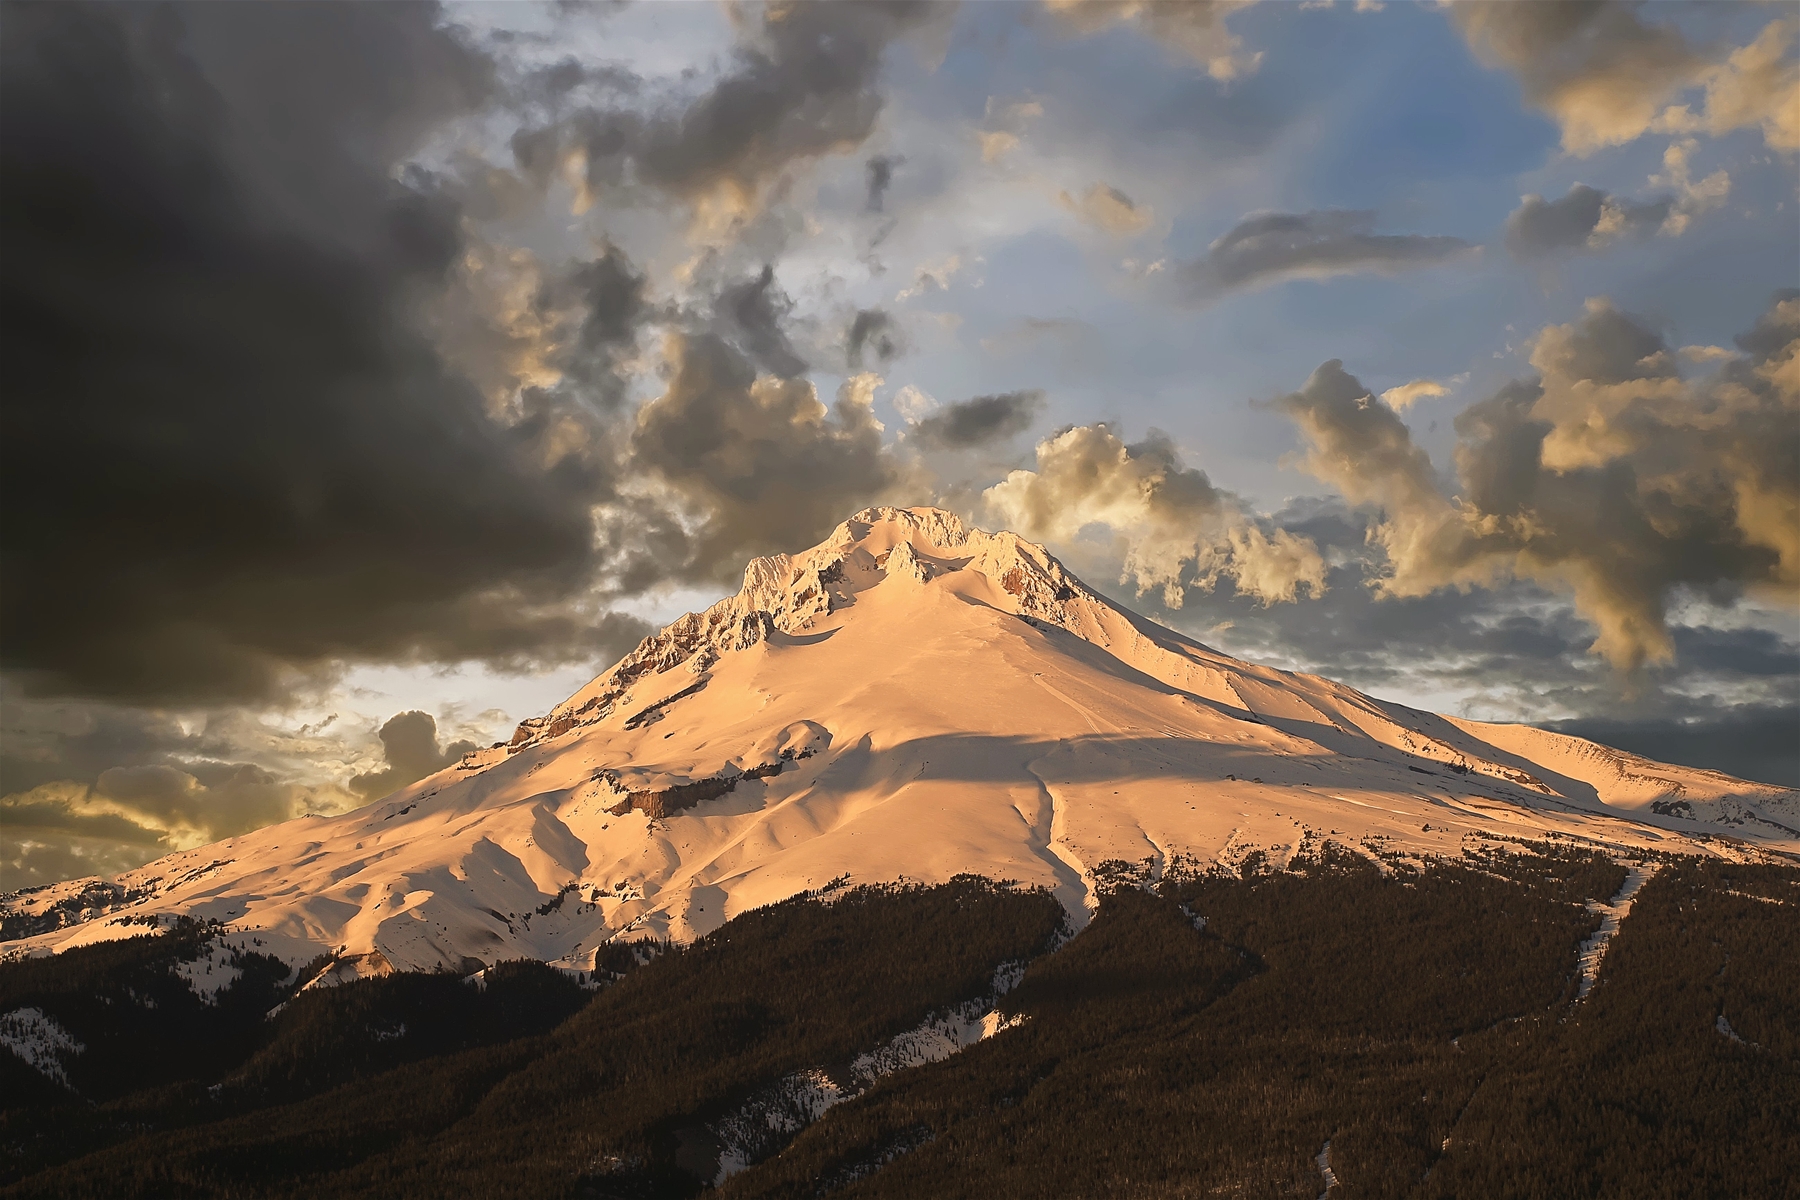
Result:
<point x="786" y="1107"/>
<point x="39" y="1040"/>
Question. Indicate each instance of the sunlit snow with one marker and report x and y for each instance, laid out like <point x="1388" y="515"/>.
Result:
<point x="911" y="699"/>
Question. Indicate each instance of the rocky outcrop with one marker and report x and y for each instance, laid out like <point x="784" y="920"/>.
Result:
<point x="653" y="712"/>
<point x="662" y="802"/>
<point x="96" y="898"/>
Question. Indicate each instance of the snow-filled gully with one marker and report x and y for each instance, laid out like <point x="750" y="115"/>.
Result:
<point x="1074" y="880"/>
<point x="1613" y="913"/>
<point x="776" y="1113"/>
<point x="1056" y="839"/>
<point x="1326" y="1174"/>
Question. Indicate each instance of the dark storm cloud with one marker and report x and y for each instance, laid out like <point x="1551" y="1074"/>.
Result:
<point x="238" y="452"/>
<point x="765" y="465"/>
<point x="66" y="743"/>
<point x="551" y="84"/>
<point x="86" y="815"/>
<point x="802" y="87"/>
<point x="409" y="743"/>
<point x="610" y="294"/>
<point x="45" y="741"/>
<point x="89" y="787"/>
<point x="980" y="421"/>
<point x="872" y="330"/>
<point x="756" y="311"/>
<point x="1265" y="248"/>
<point x="759" y="465"/>
<point x="880" y="169"/>
<point x="1585" y="219"/>
<point x="513" y="629"/>
<point x="1760" y="742"/>
<point x="213" y="799"/>
<point x="555" y="345"/>
<point x="1743" y="653"/>
<point x="131" y="814"/>
<point x="47" y="817"/>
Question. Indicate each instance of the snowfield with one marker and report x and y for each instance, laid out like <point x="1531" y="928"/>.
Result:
<point x="911" y="699"/>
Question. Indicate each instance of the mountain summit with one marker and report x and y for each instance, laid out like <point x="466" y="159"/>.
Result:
<point x="911" y="698"/>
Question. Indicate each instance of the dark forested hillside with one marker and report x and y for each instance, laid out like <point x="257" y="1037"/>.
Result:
<point x="487" y="1110"/>
<point x="1400" y="1032"/>
<point x="1421" y="1026"/>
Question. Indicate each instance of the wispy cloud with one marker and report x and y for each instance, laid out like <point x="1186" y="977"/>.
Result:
<point x="1270" y="247"/>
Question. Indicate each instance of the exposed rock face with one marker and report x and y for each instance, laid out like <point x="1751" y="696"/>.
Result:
<point x="663" y="802"/>
<point x="903" y="562"/>
<point x="647" y="714"/>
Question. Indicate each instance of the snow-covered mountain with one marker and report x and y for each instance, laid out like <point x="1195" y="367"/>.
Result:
<point x="911" y="699"/>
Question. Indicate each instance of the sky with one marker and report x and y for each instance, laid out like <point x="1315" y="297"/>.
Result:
<point x="380" y="373"/>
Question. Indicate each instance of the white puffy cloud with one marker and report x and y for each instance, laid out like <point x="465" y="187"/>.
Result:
<point x="1176" y="529"/>
<point x="1406" y="395"/>
<point x="1609" y="473"/>
<point x="913" y="404"/>
<point x="1608" y="76"/>
<point x="732" y="463"/>
<point x="1692" y="197"/>
<point x="1756" y="85"/>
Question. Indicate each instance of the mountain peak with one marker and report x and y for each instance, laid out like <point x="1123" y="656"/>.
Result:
<point x="789" y="593"/>
<point x="910" y="698"/>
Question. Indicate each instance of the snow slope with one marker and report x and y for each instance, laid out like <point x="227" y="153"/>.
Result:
<point x="909" y="699"/>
